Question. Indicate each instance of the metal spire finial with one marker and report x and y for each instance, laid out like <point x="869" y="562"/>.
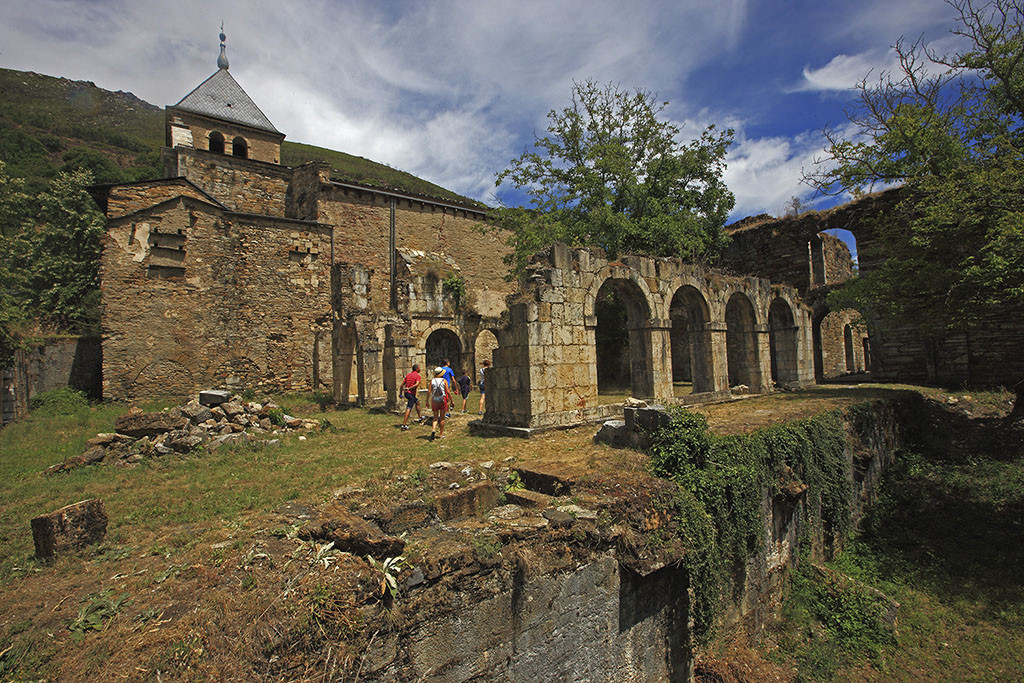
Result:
<point x="222" y="60"/>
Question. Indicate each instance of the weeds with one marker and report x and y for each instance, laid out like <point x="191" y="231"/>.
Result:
<point x="95" y="613"/>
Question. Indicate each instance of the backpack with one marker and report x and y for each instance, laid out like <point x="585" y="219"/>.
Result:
<point x="437" y="388"/>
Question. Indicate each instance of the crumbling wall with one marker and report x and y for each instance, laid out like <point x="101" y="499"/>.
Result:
<point x="190" y="302"/>
<point x="545" y="372"/>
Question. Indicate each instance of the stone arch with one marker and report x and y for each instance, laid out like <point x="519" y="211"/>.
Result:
<point x="240" y="148"/>
<point x="238" y="373"/>
<point x="741" y="342"/>
<point x="690" y="341"/>
<point x="162" y="377"/>
<point x="442" y="342"/>
<point x="483" y="347"/>
<point x="216" y="142"/>
<point x="840" y="344"/>
<point x="620" y="273"/>
<point x="783" y="342"/>
<point x="621" y="320"/>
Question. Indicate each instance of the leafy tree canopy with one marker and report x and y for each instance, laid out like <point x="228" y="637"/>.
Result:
<point x="611" y="172"/>
<point x="950" y="129"/>
<point x="49" y="272"/>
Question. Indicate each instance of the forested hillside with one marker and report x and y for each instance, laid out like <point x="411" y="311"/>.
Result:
<point x="51" y="124"/>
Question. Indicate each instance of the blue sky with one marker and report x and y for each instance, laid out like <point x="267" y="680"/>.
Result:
<point x="451" y="90"/>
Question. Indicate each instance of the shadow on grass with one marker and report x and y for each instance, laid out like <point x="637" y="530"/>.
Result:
<point x="951" y="517"/>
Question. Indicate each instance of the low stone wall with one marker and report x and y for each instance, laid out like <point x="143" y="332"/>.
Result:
<point x="46" y="365"/>
<point x="586" y="600"/>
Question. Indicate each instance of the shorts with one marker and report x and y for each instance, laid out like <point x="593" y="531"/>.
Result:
<point x="441" y="405"/>
<point x="465" y="394"/>
<point x="481" y="387"/>
<point x="412" y="400"/>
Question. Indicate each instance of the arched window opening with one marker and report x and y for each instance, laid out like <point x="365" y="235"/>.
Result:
<point x="741" y="344"/>
<point x="623" y="366"/>
<point x="486" y="343"/>
<point x="240" y="148"/>
<point x="692" y="369"/>
<point x="216" y="142"/>
<point x="442" y="345"/>
<point x="851" y="365"/>
<point x="782" y="343"/>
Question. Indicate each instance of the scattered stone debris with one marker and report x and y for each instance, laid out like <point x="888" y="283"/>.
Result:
<point x="186" y="428"/>
<point x="71" y="528"/>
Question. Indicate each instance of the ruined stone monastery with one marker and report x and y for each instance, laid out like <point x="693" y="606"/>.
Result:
<point x="235" y="271"/>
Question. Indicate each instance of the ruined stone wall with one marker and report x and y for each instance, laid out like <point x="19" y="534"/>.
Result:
<point x="837" y="357"/>
<point x="125" y="199"/>
<point x="190" y="302"/>
<point x="837" y="258"/>
<point x="262" y="145"/>
<point x="242" y="185"/>
<point x="362" y="220"/>
<point x="545" y="372"/>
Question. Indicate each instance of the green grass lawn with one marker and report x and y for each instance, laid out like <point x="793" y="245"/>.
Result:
<point x="204" y="490"/>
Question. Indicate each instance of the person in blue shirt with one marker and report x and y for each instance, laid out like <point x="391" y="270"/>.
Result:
<point x="449" y="376"/>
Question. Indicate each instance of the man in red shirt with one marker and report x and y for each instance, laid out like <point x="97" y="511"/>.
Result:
<point x="410" y="387"/>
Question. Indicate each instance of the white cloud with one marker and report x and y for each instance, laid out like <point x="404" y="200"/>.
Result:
<point x="843" y="72"/>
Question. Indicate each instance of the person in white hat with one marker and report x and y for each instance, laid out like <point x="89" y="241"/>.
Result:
<point x="440" y="399"/>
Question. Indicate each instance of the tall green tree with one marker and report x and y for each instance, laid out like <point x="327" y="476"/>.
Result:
<point x="51" y="266"/>
<point x="950" y="129"/>
<point x="612" y="172"/>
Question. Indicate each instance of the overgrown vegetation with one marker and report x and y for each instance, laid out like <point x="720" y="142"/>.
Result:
<point x="63" y="401"/>
<point x="721" y="482"/>
<point x="943" y="540"/>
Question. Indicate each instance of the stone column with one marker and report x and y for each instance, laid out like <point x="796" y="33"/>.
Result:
<point x="719" y="356"/>
<point x="761" y="373"/>
<point x="656" y="339"/>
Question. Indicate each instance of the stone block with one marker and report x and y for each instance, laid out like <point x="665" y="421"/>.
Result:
<point x="471" y="500"/>
<point x="70" y="528"/>
<point x="352" y="534"/>
<point x="214" y="397"/>
<point x="149" y="424"/>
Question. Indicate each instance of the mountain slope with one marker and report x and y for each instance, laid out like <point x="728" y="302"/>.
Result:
<point x="49" y="123"/>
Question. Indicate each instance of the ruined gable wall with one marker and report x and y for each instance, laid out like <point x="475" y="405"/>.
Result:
<point x="243" y="185"/>
<point x="247" y="304"/>
<point x="837" y="259"/>
<point x="125" y="199"/>
<point x="362" y="235"/>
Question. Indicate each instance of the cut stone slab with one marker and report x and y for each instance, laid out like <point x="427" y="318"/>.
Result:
<point x="352" y="534"/>
<point x="70" y="528"/>
<point x="577" y="512"/>
<point x="557" y="518"/>
<point x="196" y="413"/>
<point x="467" y="501"/>
<point x="527" y="499"/>
<point x="549" y="481"/>
<point x="214" y="397"/>
<point x="149" y="424"/>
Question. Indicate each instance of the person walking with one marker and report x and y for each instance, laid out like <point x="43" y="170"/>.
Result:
<point x="486" y="365"/>
<point x="449" y="376"/>
<point x="465" y="385"/>
<point x="440" y="400"/>
<point x="410" y="388"/>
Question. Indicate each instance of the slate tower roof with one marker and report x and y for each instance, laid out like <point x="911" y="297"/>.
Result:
<point x="220" y="97"/>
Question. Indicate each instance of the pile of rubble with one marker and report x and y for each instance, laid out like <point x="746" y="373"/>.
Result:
<point x="212" y="420"/>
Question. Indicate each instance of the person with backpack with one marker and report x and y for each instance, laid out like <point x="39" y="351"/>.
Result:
<point x="410" y="387"/>
<point x="465" y="385"/>
<point x="440" y="399"/>
<point x="449" y="376"/>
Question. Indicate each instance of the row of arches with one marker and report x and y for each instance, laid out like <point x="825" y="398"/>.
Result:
<point x="239" y="147"/>
<point x="622" y="312"/>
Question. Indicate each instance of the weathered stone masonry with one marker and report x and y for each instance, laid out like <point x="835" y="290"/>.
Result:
<point x="545" y="372"/>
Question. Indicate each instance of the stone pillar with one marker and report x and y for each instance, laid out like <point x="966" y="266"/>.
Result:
<point x="396" y="362"/>
<point x="719" y="356"/>
<point x="657" y="349"/>
<point x="369" y="373"/>
<point x="761" y="373"/>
